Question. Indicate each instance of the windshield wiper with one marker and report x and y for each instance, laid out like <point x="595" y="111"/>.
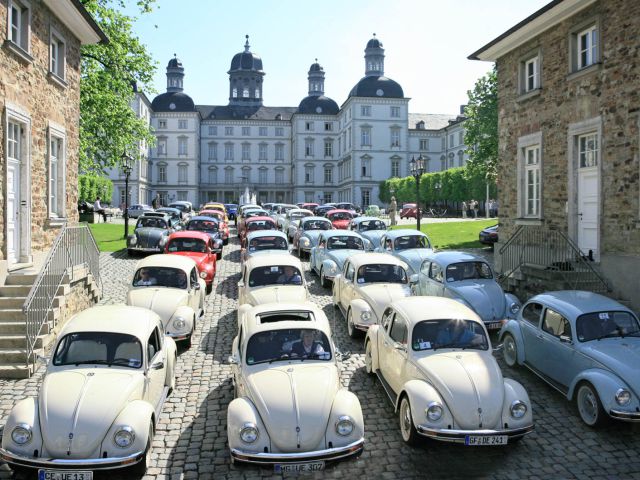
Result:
<point x="609" y="335"/>
<point x="89" y="362"/>
<point x="446" y="345"/>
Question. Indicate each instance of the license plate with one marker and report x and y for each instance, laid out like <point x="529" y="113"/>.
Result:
<point x="481" y="440"/>
<point x="298" y="467"/>
<point x="64" y="475"/>
<point x="494" y="325"/>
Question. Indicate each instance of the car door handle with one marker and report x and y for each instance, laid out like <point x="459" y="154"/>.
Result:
<point x="540" y="336"/>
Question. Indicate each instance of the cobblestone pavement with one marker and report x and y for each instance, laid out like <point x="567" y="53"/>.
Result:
<point x="191" y="437"/>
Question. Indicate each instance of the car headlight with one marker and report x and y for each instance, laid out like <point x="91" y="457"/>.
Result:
<point x="124" y="437"/>
<point x="623" y="397"/>
<point x="203" y="274"/>
<point x="133" y="240"/>
<point x="162" y="241"/>
<point x="249" y="433"/>
<point x="305" y="242"/>
<point x="179" y="323"/>
<point x="518" y="409"/>
<point x="344" y="426"/>
<point x="332" y="269"/>
<point x="434" y="411"/>
<point x="514" y="308"/>
<point x="21" y="434"/>
<point x="365" y="316"/>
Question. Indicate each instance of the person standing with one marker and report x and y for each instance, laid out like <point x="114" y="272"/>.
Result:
<point x="474" y="208"/>
<point x="155" y="203"/>
<point x="464" y="209"/>
<point x="393" y="208"/>
<point x="97" y="208"/>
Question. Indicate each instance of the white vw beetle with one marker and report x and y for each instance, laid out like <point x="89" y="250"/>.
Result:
<point x="290" y="410"/>
<point x="272" y="278"/>
<point x="100" y="399"/>
<point x="170" y="286"/>
<point x="369" y="282"/>
<point x="434" y="359"/>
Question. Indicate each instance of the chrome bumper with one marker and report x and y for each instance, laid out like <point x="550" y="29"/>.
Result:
<point x="146" y="249"/>
<point x="625" y="416"/>
<point x="71" y="464"/>
<point x="458" y="436"/>
<point x="328" y="454"/>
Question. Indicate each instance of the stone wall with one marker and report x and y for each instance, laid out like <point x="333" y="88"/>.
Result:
<point x="27" y="85"/>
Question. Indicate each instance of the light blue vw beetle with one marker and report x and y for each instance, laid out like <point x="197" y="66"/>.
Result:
<point x="308" y="232"/>
<point x="411" y="246"/>
<point x="334" y="247"/>
<point x="583" y="344"/>
<point x="371" y="229"/>
<point x="468" y="279"/>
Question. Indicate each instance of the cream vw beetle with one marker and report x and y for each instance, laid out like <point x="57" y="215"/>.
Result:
<point x="272" y="278"/>
<point x="170" y="286"/>
<point x="290" y="409"/>
<point x="100" y="399"/>
<point x="434" y="359"/>
<point x="369" y="282"/>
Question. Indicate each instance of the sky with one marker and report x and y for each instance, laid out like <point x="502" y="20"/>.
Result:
<point x="426" y="44"/>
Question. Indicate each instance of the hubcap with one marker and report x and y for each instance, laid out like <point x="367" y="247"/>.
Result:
<point x="588" y="405"/>
<point x="510" y="350"/>
<point x="368" y="362"/>
<point x="405" y="419"/>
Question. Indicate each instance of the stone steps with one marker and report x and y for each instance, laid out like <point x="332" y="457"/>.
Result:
<point x="15" y="371"/>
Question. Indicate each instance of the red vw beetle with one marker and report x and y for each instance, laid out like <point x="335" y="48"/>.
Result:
<point x="199" y="247"/>
<point x="340" y="218"/>
<point x="253" y="224"/>
<point x="410" y="210"/>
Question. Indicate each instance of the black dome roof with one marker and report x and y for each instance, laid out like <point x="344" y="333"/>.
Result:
<point x="246" y="61"/>
<point x="375" y="86"/>
<point x="173" y="102"/>
<point x="319" y="105"/>
<point x="315" y="67"/>
<point x="174" y="63"/>
<point x="374" y="43"/>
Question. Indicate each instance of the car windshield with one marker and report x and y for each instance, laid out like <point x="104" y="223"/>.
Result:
<point x="267" y="243"/>
<point x="408" y="205"/>
<point x="341" y="216"/>
<point x="316" y="225"/>
<point x="411" y="241"/>
<point x="275" y="275"/>
<point x="179" y="206"/>
<point x="288" y="344"/>
<point x="187" y="245"/>
<point x="260" y="225"/>
<point x="151" y="222"/>
<point x="256" y="213"/>
<point x="203" y="225"/>
<point x="448" y="333"/>
<point x="99" y="348"/>
<point x="341" y="242"/>
<point x="599" y="325"/>
<point x="367" y="225"/>
<point x="384" y="273"/>
<point x="160" y="277"/>
<point x="457" y="272"/>
<point x="299" y="215"/>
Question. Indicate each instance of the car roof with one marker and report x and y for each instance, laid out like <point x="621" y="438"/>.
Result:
<point x="403" y="232"/>
<point x="170" y="210"/>
<point x="574" y="303"/>
<point x="365" y="219"/>
<point x="163" y="260"/>
<point x="300" y="210"/>
<point x="154" y="215"/>
<point x="260" y="218"/>
<point x="338" y="210"/>
<point x="448" y="257"/>
<point x="210" y="211"/>
<point x="266" y="261"/>
<point x="136" y="321"/>
<point x="376" y="258"/>
<point x="417" y="309"/>
<point x="315" y="219"/>
<point x="266" y="233"/>
<point x="252" y="325"/>
<point x="203" y="217"/>
<point x="190" y="234"/>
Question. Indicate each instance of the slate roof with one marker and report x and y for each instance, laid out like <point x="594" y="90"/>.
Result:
<point x="226" y="112"/>
<point x="432" y="121"/>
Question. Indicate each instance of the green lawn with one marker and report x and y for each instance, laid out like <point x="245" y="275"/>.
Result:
<point x="453" y="235"/>
<point x="110" y="237"/>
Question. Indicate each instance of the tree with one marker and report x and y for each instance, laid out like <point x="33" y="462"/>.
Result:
<point x="481" y="127"/>
<point x="108" y="72"/>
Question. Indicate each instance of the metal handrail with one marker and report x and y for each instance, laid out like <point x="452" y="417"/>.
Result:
<point x="550" y="249"/>
<point x="74" y="246"/>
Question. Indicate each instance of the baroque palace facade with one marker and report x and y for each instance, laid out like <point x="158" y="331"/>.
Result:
<point x="315" y="152"/>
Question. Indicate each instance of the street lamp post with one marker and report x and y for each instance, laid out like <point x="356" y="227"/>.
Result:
<point x="416" y="167"/>
<point x="127" y="166"/>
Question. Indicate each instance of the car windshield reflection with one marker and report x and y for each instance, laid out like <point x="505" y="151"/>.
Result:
<point x="448" y="333"/>
<point x="368" y="225"/>
<point x="202" y="226"/>
<point x="99" y="348"/>
<point x="288" y="344"/>
<point x="317" y="225"/>
<point x="267" y="243"/>
<point x="457" y="272"/>
<point x="599" y="325"/>
<point x="187" y="245"/>
<point x="160" y="277"/>
<point x="275" y="275"/>
<point x="151" y="222"/>
<point x="345" y="242"/>
<point x="411" y="241"/>
<point x="381" y="274"/>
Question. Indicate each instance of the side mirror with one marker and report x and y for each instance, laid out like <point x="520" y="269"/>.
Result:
<point x="159" y="365"/>
<point x="233" y="360"/>
<point x="565" y="339"/>
<point x="196" y="286"/>
<point x="413" y="279"/>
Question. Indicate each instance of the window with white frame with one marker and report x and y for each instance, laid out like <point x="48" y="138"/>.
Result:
<point x="246" y="131"/>
<point x="182" y="195"/>
<point x="460" y="158"/>
<point x="365" y="170"/>
<point x="162" y="146"/>
<point x="162" y="173"/>
<point x="58" y="56"/>
<point x="531" y="74"/>
<point x="162" y="124"/>
<point x="262" y="152"/>
<point x="452" y="160"/>
<point x="262" y="176"/>
<point x="328" y="175"/>
<point x="19" y="24"/>
<point x="327" y="197"/>
<point x="424" y="144"/>
<point x="328" y="149"/>
<point x="587" y="47"/>
<point x="228" y="130"/>
<point x="532" y="181"/>
<point x="228" y="152"/>
<point x="366" y="198"/>
<point x="328" y="126"/>
<point x="308" y="147"/>
<point x="183" y="173"/>
<point x="395" y="137"/>
<point x="228" y="176"/>
<point x="395" y="112"/>
<point x="365" y="136"/>
<point x="262" y="131"/>
<point x="234" y="93"/>
<point x="213" y="175"/>
<point x="182" y="146"/>
<point x="213" y="130"/>
<point x="213" y="151"/>
<point x="246" y="152"/>
<point x="182" y="124"/>
<point x="56" y="175"/>
<point x="395" y="168"/>
<point x="246" y="174"/>
<point x="279" y="176"/>
<point x="308" y="174"/>
<point x="588" y="150"/>
<point x="279" y="152"/>
<point x="308" y="126"/>
<point x="450" y="140"/>
<point x="279" y="132"/>
<point x="365" y="110"/>
<point x="245" y="92"/>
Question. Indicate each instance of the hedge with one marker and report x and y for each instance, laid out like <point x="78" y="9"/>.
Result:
<point x="91" y="186"/>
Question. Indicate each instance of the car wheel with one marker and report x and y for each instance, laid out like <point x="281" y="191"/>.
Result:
<point x="351" y="328"/>
<point x="225" y="241"/>
<point x="130" y="252"/>
<point x="407" y="428"/>
<point x="140" y="468"/>
<point x="589" y="405"/>
<point x="209" y="288"/>
<point x="219" y="256"/>
<point x="509" y="350"/>
<point x="323" y="280"/>
<point x="368" y="358"/>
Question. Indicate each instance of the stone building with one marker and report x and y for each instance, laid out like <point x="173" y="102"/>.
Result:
<point x="569" y="136"/>
<point x="39" y="101"/>
<point x="315" y="152"/>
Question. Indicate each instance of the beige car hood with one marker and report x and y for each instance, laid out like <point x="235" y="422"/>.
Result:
<point x="471" y="385"/>
<point x="277" y="294"/>
<point x="380" y="295"/>
<point x="163" y="301"/>
<point x="77" y="407"/>
<point x="294" y="402"/>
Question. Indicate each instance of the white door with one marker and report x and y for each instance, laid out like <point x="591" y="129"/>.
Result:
<point x="588" y="222"/>
<point x="13" y="192"/>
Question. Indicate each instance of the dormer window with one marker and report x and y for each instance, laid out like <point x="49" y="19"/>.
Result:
<point x="257" y="93"/>
<point x="245" y="93"/>
<point x="234" y="93"/>
<point x="420" y="125"/>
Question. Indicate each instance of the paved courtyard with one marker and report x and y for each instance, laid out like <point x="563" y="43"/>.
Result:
<point x="191" y="438"/>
